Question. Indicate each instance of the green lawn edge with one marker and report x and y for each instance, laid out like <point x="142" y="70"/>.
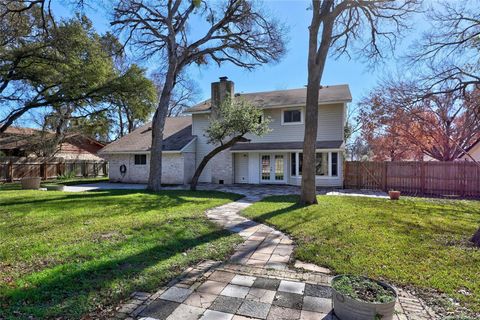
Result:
<point x="91" y="280"/>
<point x="416" y="242"/>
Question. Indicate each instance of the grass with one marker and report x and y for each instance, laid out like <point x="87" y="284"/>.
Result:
<point x="70" y="254"/>
<point x="66" y="182"/>
<point x="419" y="242"/>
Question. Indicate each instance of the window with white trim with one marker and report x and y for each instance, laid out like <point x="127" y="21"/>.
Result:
<point x="326" y="164"/>
<point x="292" y="116"/>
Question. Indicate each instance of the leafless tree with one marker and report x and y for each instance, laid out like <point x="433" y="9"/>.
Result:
<point x="449" y="52"/>
<point x="186" y="92"/>
<point x="342" y="27"/>
<point x="233" y="31"/>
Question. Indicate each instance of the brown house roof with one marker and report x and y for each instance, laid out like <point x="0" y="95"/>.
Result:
<point x="176" y="134"/>
<point x="20" y="138"/>
<point x="297" y="145"/>
<point x="292" y="97"/>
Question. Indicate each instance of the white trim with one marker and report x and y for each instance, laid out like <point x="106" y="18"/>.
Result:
<point x="329" y="155"/>
<point x="272" y="168"/>
<point x="302" y="116"/>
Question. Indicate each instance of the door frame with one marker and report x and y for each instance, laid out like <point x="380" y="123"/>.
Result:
<point x="272" y="168"/>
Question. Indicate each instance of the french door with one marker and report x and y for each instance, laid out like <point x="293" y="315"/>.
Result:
<point x="272" y="168"/>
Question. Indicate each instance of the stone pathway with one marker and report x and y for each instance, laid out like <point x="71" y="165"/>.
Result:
<point x="256" y="282"/>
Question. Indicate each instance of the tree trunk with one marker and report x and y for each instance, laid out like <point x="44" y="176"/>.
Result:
<point x="158" y="123"/>
<point x="316" y="64"/>
<point x="208" y="157"/>
<point x="476" y="238"/>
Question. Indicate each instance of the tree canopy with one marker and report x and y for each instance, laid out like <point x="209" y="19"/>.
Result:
<point x="67" y="75"/>
<point x="234" y="31"/>
<point x="229" y="123"/>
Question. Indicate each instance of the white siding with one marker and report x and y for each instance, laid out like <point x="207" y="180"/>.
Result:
<point x="241" y="168"/>
<point x="330" y="126"/>
<point x="199" y="124"/>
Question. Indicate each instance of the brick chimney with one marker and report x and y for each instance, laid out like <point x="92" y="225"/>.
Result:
<point x="221" y="90"/>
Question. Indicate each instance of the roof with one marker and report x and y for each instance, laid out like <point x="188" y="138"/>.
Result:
<point x="177" y="134"/>
<point x="291" y="97"/>
<point x="20" y="138"/>
<point x="297" y="145"/>
<point x="470" y="148"/>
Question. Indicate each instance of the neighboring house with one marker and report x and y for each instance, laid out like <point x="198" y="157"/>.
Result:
<point x="472" y="152"/>
<point x="275" y="158"/>
<point x="17" y="142"/>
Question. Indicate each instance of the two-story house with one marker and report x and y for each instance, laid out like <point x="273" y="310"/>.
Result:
<point x="274" y="158"/>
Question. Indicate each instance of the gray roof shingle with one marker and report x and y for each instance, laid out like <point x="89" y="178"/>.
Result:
<point x="291" y="97"/>
<point x="176" y="134"/>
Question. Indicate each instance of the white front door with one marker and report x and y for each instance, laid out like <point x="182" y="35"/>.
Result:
<point x="272" y="168"/>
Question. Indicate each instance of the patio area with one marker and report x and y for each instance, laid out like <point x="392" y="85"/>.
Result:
<point x="258" y="281"/>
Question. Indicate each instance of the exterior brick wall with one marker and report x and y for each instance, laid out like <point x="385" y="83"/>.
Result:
<point x="189" y="166"/>
<point x="222" y="167"/>
<point x="172" y="168"/>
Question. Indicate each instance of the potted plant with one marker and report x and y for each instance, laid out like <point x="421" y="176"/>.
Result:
<point x="394" y="194"/>
<point x="361" y="298"/>
<point x="31" y="182"/>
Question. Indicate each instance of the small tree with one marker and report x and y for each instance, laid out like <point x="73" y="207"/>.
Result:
<point x="233" y="119"/>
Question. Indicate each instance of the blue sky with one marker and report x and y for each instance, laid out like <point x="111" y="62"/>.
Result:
<point x="291" y="71"/>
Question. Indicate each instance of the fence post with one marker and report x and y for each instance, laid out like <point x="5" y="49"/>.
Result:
<point x="385" y="172"/>
<point x="422" y="177"/>
<point x="10" y="171"/>
<point x="357" y="171"/>
<point x="43" y="170"/>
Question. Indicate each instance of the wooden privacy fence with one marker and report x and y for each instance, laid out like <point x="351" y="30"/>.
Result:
<point x="14" y="168"/>
<point x="457" y="178"/>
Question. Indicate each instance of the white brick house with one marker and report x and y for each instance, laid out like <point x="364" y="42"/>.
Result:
<point x="275" y="158"/>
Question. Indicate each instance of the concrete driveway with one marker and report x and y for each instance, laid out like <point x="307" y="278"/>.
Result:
<point x="105" y="186"/>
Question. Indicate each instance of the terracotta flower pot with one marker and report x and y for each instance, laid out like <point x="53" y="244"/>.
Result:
<point x="31" y="182"/>
<point x="394" y="195"/>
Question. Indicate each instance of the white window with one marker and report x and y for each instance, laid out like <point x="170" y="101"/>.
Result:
<point x="140" y="159"/>
<point x="326" y="164"/>
<point x="292" y="116"/>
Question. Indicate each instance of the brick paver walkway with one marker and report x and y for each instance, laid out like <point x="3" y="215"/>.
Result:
<point x="255" y="282"/>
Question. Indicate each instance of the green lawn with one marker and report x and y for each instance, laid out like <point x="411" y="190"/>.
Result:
<point x="420" y="242"/>
<point x="67" y="254"/>
<point x="67" y="182"/>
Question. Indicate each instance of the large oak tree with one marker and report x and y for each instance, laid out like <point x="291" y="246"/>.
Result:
<point x="234" y="31"/>
<point x="340" y="27"/>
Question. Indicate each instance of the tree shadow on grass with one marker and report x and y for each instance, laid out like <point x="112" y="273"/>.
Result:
<point x="61" y="290"/>
<point x="93" y="194"/>
<point x="403" y="217"/>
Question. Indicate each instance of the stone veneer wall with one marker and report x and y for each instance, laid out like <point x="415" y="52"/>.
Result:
<point x="222" y="167"/>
